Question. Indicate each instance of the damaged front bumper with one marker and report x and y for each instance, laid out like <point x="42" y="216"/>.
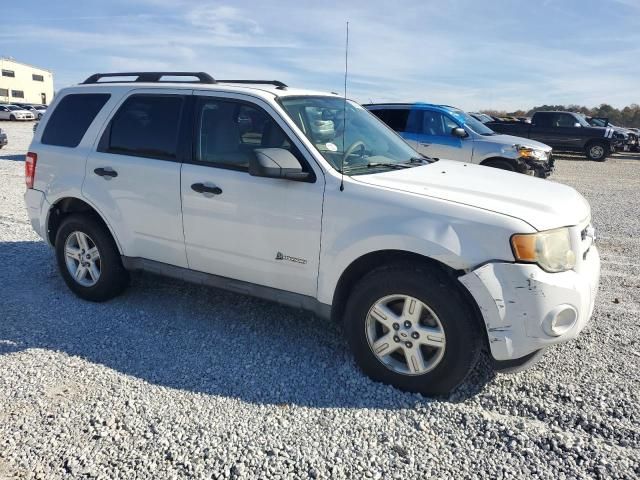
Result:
<point x="538" y="168"/>
<point x="526" y="309"/>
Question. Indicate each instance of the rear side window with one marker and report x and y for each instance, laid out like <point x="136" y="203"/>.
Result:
<point x="146" y="126"/>
<point x="70" y="120"/>
<point x="396" y="118"/>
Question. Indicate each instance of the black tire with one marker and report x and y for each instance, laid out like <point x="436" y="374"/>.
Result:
<point x="501" y="164"/>
<point x="12" y="118"/>
<point x="597" y="151"/>
<point x="113" y="278"/>
<point x="434" y="289"/>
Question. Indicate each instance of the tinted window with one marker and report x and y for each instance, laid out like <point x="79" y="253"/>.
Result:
<point x="70" y="120"/>
<point x="146" y="126"/>
<point x="563" y="120"/>
<point x="433" y="123"/>
<point x="229" y="132"/>
<point x="396" y="118"/>
<point x="543" y="119"/>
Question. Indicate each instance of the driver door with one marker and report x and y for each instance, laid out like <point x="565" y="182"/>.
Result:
<point x="264" y="231"/>
<point x="436" y="140"/>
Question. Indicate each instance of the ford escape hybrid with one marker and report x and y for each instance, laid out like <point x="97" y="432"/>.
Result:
<point x="309" y="200"/>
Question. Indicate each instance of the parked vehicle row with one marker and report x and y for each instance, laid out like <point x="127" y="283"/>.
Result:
<point x="441" y="131"/>
<point x="21" y="111"/>
<point x="566" y="132"/>
<point x="629" y="137"/>
<point x="307" y="199"/>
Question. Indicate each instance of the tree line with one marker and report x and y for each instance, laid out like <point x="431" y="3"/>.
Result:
<point x="627" y="117"/>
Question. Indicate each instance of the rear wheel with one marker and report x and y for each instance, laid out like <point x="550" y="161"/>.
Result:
<point x="597" y="151"/>
<point x="12" y="118"/>
<point x="501" y="164"/>
<point x="410" y="328"/>
<point x="88" y="259"/>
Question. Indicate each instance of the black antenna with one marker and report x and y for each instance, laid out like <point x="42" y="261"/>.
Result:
<point x="344" y="107"/>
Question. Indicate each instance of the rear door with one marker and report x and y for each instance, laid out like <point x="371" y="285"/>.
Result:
<point x="133" y="175"/>
<point x="263" y="231"/>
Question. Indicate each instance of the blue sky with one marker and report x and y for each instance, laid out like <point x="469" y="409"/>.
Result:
<point x="474" y="54"/>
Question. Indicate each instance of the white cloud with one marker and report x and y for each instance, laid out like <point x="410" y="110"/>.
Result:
<point x="462" y="52"/>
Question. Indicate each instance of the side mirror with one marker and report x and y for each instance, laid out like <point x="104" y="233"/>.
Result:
<point x="459" y="132"/>
<point x="577" y="124"/>
<point x="276" y="163"/>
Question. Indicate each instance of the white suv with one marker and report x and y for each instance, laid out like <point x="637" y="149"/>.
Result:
<point x="309" y="200"/>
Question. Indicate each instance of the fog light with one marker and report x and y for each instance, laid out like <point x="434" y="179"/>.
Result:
<point x="560" y="320"/>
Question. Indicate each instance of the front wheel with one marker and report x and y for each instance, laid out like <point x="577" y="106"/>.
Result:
<point x="410" y="328"/>
<point x="501" y="164"/>
<point x="12" y="118"/>
<point x="598" y="152"/>
<point x="89" y="260"/>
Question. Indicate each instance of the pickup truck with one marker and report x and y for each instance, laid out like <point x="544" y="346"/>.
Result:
<point x="564" y="131"/>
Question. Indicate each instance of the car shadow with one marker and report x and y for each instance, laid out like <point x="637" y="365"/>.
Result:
<point x="18" y="158"/>
<point x="189" y="337"/>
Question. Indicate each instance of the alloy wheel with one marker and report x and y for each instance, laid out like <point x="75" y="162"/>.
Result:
<point x="82" y="259"/>
<point x="405" y="334"/>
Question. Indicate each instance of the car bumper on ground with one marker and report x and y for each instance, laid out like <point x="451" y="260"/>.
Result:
<point x="37" y="206"/>
<point x="526" y="309"/>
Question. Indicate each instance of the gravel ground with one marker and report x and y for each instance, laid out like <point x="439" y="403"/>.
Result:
<point x="174" y="381"/>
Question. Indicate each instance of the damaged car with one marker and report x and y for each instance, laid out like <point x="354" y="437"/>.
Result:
<point x="441" y="131"/>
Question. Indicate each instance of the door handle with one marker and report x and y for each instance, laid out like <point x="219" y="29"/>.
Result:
<point x="202" y="188"/>
<point x="106" y="172"/>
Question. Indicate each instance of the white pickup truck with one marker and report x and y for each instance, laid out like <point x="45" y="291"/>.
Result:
<point x="307" y="199"/>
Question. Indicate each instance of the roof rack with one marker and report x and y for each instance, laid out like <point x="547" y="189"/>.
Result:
<point x="150" y="77"/>
<point x="279" y="85"/>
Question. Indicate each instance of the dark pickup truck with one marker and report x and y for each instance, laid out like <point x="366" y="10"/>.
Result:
<point x="565" y="132"/>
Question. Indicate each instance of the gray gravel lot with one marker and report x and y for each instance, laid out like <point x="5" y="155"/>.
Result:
<point x="173" y="380"/>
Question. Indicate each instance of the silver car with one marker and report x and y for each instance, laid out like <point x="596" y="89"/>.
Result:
<point x="13" y="112"/>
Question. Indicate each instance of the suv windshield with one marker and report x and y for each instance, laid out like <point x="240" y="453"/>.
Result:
<point x="474" y="124"/>
<point x="345" y="130"/>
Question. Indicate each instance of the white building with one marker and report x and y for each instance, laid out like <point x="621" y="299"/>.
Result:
<point x="24" y="83"/>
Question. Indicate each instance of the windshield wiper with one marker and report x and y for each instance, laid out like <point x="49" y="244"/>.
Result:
<point x="393" y="166"/>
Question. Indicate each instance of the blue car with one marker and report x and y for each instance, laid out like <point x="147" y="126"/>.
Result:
<point x="442" y="131"/>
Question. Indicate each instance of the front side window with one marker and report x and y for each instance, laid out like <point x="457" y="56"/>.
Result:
<point x="344" y="133"/>
<point x="433" y="123"/>
<point x="228" y="132"/>
<point x="70" y="120"/>
<point x="146" y="126"/>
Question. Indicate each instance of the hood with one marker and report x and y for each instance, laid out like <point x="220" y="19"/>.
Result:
<point x="541" y="203"/>
<point x="511" y="140"/>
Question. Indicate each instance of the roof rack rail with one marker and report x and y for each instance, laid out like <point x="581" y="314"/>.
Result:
<point x="279" y="85"/>
<point x="150" y="77"/>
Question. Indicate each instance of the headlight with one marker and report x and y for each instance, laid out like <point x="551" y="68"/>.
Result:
<point x="527" y="152"/>
<point x="551" y="250"/>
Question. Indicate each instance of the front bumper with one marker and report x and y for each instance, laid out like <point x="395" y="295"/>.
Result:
<point x="519" y="302"/>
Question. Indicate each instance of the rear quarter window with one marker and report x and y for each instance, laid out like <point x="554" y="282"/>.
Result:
<point x="69" y="121"/>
